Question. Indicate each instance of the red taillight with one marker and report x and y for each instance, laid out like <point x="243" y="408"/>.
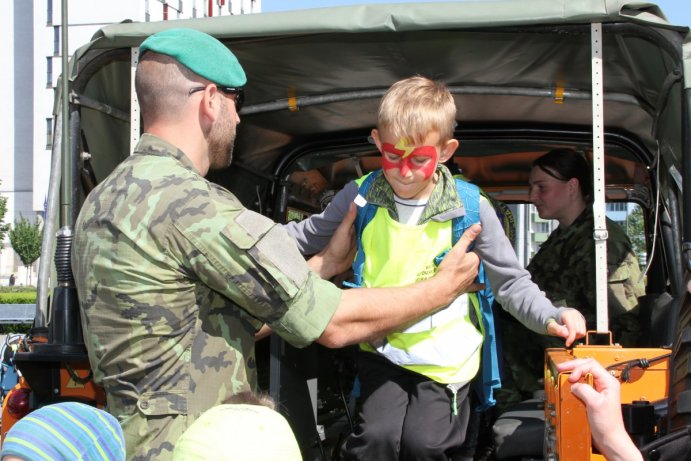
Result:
<point x="18" y="402"/>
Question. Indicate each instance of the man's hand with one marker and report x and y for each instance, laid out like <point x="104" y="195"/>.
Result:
<point x="460" y="266"/>
<point x="572" y="327"/>
<point x="603" y="404"/>
<point x="338" y="255"/>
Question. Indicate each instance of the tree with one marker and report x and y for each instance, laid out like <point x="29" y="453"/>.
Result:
<point x="26" y="242"/>
<point x="635" y="229"/>
<point x="3" y="227"/>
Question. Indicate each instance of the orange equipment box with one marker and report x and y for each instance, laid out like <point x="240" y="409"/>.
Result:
<point x="567" y="432"/>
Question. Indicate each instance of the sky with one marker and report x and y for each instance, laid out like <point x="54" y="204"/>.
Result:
<point x="677" y="11"/>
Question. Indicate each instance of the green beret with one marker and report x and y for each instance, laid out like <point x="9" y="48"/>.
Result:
<point x="201" y="53"/>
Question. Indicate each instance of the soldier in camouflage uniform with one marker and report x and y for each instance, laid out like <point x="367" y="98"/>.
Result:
<point x="175" y="276"/>
<point x="564" y="268"/>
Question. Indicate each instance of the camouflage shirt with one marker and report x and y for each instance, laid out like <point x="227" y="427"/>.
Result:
<point x="564" y="268"/>
<point x="174" y="277"/>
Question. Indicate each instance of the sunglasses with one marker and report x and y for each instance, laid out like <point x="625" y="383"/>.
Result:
<point x="238" y="92"/>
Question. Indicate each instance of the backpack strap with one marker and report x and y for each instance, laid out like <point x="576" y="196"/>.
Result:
<point x="365" y="214"/>
<point x="489" y="368"/>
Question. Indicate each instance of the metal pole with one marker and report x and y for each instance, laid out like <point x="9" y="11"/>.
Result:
<point x="686" y="176"/>
<point x="134" y="102"/>
<point x="600" y="222"/>
<point x="66" y="183"/>
<point x="50" y="227"/>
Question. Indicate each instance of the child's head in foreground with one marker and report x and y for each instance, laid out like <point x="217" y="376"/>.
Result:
<point x="65" y="431"/>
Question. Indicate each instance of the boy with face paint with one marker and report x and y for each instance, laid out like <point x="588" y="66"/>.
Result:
<point x="415" y="382"/>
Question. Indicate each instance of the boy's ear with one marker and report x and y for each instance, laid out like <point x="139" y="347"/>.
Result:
<point x="375" y="138"/>
<point x="448" y="150"/>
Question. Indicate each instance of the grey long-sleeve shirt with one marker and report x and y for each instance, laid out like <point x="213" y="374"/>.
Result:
<point x="511" y="283"/>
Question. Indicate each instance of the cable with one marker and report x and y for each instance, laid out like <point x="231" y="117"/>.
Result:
<point x="657" y="213"/>
<point x="629" y="364"/>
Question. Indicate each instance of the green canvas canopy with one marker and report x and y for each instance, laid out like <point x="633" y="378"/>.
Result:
<point x="522" y="63"/>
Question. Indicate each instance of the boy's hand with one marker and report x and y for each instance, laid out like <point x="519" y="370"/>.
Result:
<point x="572" y="327"/>
<point x="460" y="265"/>
<point x="338" y="255"/>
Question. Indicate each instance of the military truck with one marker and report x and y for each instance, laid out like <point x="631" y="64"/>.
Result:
<point x="612" y="78"/>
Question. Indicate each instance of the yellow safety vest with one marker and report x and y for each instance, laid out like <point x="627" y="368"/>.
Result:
<point x="444" y="346"/>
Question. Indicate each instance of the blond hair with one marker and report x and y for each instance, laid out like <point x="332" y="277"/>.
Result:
<point x="414" y="107"/>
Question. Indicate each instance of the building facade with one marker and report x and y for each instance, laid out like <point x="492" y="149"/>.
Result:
<point x="31" y="57"/>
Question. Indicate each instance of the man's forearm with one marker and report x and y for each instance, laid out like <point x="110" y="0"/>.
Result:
<point x="367" y="313"/>
<point x="371" y="313"/>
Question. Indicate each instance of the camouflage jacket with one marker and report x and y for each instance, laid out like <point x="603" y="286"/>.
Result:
<point x="174" y="277"/>
<point x="564" y="268"/>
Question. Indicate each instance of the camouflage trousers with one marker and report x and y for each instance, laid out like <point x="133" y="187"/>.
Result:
<point x="152" y="437"/>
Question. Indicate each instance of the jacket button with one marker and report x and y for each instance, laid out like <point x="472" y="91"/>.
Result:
<point x="144" y="405"/>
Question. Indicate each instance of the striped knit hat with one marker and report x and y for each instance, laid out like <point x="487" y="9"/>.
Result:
<point x="66" y="431"/>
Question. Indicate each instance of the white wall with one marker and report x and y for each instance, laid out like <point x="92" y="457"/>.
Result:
<point x="16" y="126"/>
<point x="6" y="128"/>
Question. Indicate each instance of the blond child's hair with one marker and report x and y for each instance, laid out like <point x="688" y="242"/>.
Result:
<point x="414" y="107"/>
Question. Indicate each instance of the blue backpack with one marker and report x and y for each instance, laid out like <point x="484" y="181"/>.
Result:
<point x="470" y="196"/>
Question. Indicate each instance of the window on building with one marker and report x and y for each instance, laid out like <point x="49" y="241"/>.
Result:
<point x="616" y="206"/>
<point x="49" y="72"/>
<point x="49" y="132"/>
<point x="147" y="13"/>
<point x="542" y="227"/>
<point x="49" y="12"/>
<point x="56" y="40"/>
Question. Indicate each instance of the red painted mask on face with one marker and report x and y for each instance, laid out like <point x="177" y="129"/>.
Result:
<point x="423" y="158"/>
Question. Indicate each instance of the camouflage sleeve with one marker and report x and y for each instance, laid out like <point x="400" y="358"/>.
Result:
<point x="564" y="269"/>
<point x="625" y="283"/>
<point x="578" y="277"/>
<point x="252" y="261"/>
